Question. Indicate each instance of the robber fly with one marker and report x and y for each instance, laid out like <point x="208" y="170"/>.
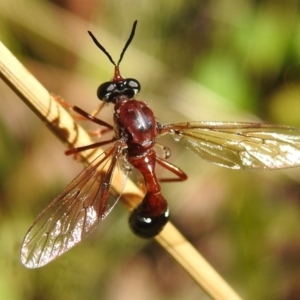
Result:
<point x="87" y="199"/>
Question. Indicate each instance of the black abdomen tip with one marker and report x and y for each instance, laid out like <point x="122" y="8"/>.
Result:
<point x="147" y="227"/>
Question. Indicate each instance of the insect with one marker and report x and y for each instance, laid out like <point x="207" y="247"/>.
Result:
<point x="86" y="200"/>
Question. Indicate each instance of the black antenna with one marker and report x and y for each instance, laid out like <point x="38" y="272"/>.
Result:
<point x="124" y="49"/>
<point x="128" y="41"/>
<point x="101" y="48"/>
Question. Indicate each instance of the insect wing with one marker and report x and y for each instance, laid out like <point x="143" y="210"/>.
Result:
<point x="76" y="211"/>
<point x="240" y="145"/>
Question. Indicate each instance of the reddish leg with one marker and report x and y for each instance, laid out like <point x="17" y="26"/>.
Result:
<point x="181" y="176"/>
<point x="91" y="146"/>
<point x="61" y="101"/>
<point x="66" y="105"/>
<point x="91" y="117"/>
<point x="98" y="133"/>
<point x="82" y="115"/>
<point x="96" y="111"/>
<point x="97" y="121"/>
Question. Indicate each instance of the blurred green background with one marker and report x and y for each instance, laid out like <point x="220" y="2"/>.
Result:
<point x="196" y="60"/>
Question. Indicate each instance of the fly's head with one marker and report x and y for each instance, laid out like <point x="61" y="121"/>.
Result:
<point x="118" y="87"/>
<point x="112" y="90"/>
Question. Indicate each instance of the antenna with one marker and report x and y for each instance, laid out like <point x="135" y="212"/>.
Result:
<point x="128" y="41"/>
<point x="124" y="49"/>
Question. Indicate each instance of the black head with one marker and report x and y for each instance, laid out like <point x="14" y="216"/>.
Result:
<point x="110" y="91"/>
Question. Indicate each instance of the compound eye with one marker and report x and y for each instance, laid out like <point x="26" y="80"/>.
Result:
<point x="132" y="84"/>
<point x="105" y="90"/>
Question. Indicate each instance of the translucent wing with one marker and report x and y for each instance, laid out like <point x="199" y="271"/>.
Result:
<point x="76" y="211"/>
<point x="240" y="145"/>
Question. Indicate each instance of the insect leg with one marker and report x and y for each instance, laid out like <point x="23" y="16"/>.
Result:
<point x="86" y="116"/>
<point x="91" y="117"/>
<point x="91" y="146"/>
<point x="181" y="176"/>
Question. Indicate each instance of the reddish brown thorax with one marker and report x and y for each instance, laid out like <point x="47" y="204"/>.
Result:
<point x="135" y="122"/>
